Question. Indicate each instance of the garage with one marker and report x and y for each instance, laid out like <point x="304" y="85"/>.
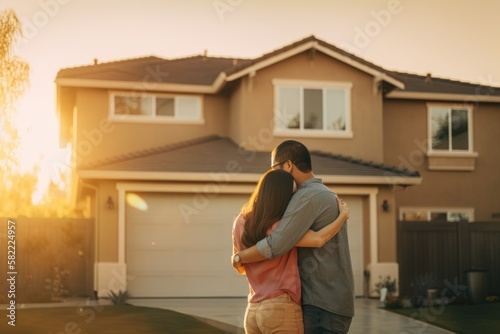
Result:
<point x="179" y="245"/>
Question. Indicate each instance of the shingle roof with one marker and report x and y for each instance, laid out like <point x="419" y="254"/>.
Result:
<point x="331" y="47"/>
<point x="196" y="70"/>
<point x="429" y="84"/>
<point x="214" y="154"/>
<point x="204" y="70"/>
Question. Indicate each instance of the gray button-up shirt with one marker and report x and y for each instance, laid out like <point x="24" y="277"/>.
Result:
<point x="326" y="272"/>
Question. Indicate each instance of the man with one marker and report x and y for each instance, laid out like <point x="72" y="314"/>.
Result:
<point x="325" y="273"/>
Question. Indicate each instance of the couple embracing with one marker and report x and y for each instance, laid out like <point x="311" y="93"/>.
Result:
<point x="306" y="282"/>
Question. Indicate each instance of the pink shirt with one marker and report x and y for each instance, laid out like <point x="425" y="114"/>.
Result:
<point x="269" y="278"/>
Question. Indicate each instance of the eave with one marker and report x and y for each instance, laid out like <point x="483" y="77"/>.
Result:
<point x="143" y="86"/>
<point x="468" y="98"/>
<point x="315" y="45"/>
<point x="238" y="177"/>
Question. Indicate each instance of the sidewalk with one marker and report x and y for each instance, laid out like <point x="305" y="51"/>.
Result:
<point x="227" y="314"/>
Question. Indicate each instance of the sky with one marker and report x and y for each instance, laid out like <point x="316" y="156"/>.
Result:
<point x="448" y="38"/>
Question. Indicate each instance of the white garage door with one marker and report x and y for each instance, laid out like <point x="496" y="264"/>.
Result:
<point x="180" y="246"/>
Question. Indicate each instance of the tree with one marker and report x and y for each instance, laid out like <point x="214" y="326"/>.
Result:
<point x="15" y="188"/>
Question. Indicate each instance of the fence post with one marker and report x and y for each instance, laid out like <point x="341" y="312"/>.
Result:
<point x="463" y="244"/>
<point x="399" y="252"/>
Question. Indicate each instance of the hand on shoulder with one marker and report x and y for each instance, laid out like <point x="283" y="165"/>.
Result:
<point x="343" y="208"/>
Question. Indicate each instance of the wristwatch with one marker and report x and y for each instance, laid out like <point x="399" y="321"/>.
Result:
<point x="236" y="258"/>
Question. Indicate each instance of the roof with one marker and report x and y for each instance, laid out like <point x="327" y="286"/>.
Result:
<point x="195" y="70"/>
<point x="214" y="154"/>
<point x="429" y="87"/>
<point x="204" y="74"/>
<point x="201" y="70"/>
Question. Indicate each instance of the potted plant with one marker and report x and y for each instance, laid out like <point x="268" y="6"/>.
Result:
<point x="387" y="285"/>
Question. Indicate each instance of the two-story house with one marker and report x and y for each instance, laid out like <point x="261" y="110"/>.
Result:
<point x="166" y="152"/>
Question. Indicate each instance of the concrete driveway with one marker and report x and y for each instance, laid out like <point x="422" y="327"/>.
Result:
<point x="227" y="314"/>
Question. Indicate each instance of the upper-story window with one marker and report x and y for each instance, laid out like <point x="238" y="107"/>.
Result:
<point x="149" y="107"/>
<point x="312" y="108"/>
<point x="450" y="129"/>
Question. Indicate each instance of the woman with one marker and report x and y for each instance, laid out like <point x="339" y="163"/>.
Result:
<point x="274" y="300"/>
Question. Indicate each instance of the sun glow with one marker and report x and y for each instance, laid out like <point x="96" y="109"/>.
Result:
<point x="137" y="202"/>
<point x="38" y="149"/>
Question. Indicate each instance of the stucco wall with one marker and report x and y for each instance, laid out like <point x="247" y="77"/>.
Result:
<point x="107" y="225"/>
<point x="387" y="230"/>
<point x="405" y="140"/>
<point x="235" y="114"/>
<point x="100" y="138"/>
<point x="257" y="109"/>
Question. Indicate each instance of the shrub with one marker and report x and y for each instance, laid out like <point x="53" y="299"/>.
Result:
<point x="420" y="284"/>
<point x="119" y="298"/>
<point x="393" y="302"/>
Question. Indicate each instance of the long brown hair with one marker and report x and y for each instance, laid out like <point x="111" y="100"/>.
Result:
<point x="266" y="205"/>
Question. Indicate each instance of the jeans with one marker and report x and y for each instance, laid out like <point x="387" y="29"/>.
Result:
<point x="275" y="315"/>
<point x="319" y="321"/>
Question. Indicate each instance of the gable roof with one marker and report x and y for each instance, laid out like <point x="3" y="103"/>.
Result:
<point x="202" y="74"/>
<point x="208" y="75"/>
<point x="201" y="158"/>
<point x="313" y="43"/>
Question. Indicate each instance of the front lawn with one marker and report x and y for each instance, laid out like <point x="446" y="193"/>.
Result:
<point x="103" y="319"/>
<point x="463" y="319"/>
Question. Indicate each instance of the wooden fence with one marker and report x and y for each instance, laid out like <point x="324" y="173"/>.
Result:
<point x="54" y="258"/>
<point x="447" y="251"/>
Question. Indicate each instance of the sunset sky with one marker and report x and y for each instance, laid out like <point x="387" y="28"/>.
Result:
<point x="448" y="38"/>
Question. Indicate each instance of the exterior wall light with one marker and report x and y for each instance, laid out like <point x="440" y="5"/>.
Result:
<point x="385" y="205"/>
<point x="109" y="203"/>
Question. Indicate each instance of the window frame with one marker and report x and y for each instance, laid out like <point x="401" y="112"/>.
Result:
<point x="153" y="118"/>
<point x="450" y="151"/>
<point x="346" y="87"/>
<point x="428" y="211"/>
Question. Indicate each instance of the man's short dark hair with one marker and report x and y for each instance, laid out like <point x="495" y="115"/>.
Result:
<point x="294" y="151"/>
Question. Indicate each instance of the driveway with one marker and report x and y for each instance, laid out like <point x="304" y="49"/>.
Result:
<point x="227" y="314"/>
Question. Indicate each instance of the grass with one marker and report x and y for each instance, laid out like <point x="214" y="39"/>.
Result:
<point x="463" y="319"/>
<point x="103" y="319"/>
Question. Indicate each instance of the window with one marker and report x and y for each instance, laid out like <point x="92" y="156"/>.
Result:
<point x="450" y="129"/>
<point x="321" y="108"/>
<point x="437" y="215"/>
<point x="148" y="107"/>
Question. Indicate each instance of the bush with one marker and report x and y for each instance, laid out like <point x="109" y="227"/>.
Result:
<point x="119" y="298"/>
<point x="393" y="302"/>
